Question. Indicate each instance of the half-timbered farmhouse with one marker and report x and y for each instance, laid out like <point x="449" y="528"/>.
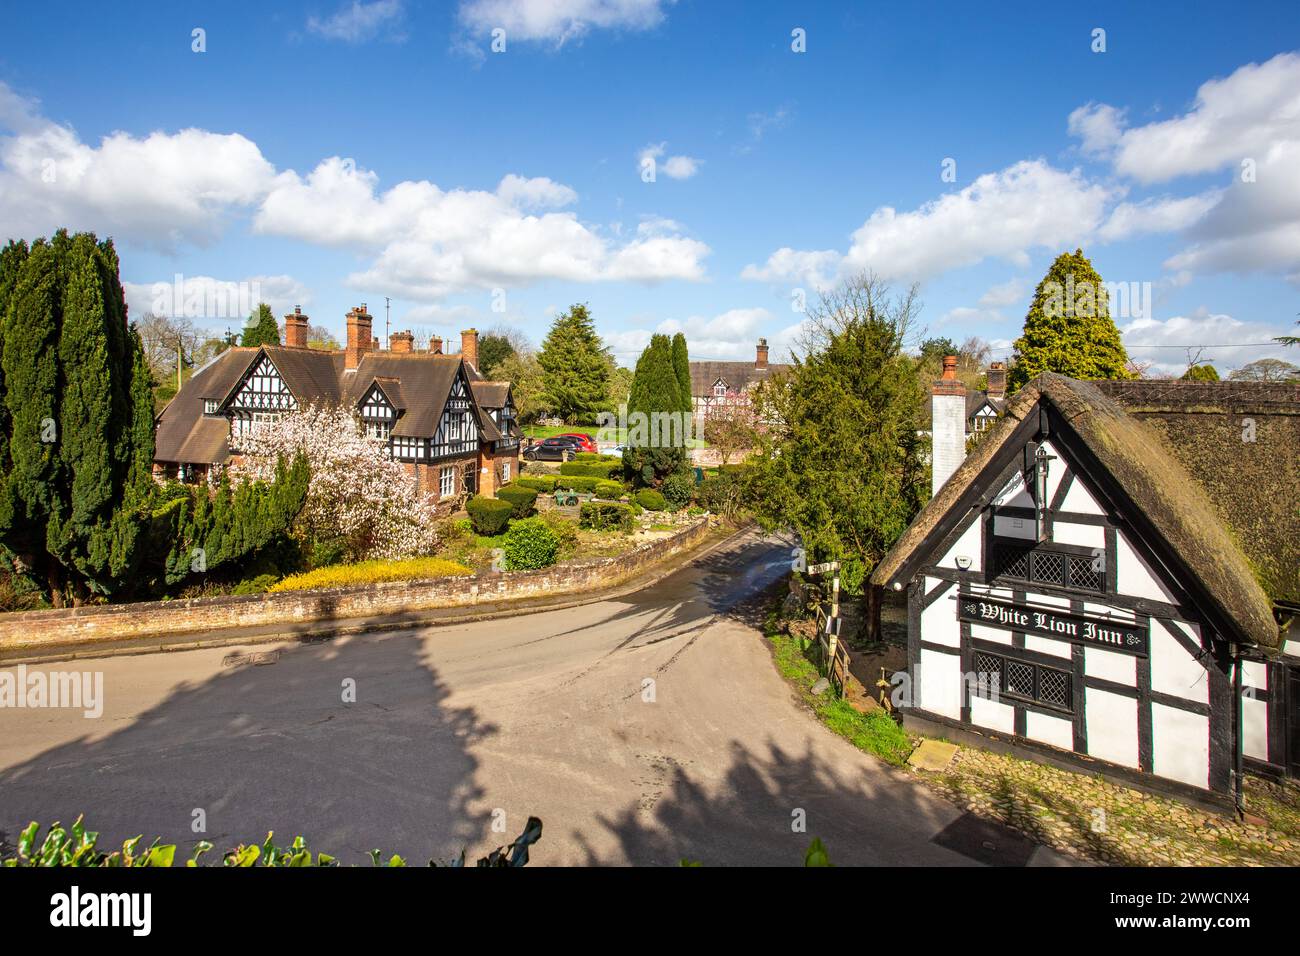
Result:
<point x="1112" y="579"/>
<point x="452" y="429"/>
<point x="715" y="385"/>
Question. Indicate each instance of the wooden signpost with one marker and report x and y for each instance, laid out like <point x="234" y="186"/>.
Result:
<point x="835" y="658"/>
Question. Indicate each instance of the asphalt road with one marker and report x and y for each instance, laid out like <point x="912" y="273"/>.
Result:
<point x="457" y="729"/>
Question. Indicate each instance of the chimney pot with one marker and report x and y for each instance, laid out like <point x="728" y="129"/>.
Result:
<point x="401" y="342"/>
<point x="760" y="354"/>
<point x="360" y="340"/>
<point x="435" y="345"/>
<point x="997" y="380"/>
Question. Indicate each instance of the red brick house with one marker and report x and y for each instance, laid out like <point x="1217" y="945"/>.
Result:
<point x="454" y="430"/>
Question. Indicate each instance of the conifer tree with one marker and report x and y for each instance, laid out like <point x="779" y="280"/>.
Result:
<point x="261" y="328"/>
<point x="575" y="367"/>
<point x="74" y="489"/>
<point x="656" y="422"/>
<point x="682" y="366"/>
<point x="1068" y="328"/>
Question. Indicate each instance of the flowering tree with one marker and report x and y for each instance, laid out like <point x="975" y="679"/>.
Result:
<point x="731" y="425"/>
<point x="358" y="495"/>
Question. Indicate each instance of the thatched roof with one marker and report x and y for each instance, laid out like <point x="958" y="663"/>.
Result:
<point x="1140" y="462"/>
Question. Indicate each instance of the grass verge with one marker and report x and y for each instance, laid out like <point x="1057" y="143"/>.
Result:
<point x="875" y="732"/>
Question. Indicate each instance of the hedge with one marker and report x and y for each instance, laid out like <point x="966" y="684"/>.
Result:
<point x="530" y="544"/>
<point x="609" y="489"/>
<point x="651" y="500"/>
<point x="679" y="488"/>
<point x="542" y="483"/>
<point x="522" y="499"/>
<point x="489" y="514"/>
<point x="605" y="516"/>
<point x="592" y="469"/>
<point x="584" y="484"/>
<point x="372" y="572"/>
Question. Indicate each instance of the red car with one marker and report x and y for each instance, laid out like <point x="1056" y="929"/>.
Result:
<point x="583" y="441"/>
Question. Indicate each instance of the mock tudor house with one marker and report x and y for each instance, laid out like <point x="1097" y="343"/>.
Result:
<point x="451" y="428"/>
<point x="1111" y="579"/>
<point x="716" y="384"/>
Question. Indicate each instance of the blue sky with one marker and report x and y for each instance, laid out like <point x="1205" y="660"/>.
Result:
<point x="332" y="153"/>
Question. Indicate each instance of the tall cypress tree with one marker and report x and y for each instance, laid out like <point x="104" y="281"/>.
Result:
<point x="1068" y="328"/>
<point x="682" y="366"/>
<point x="575" y="367"/>
<point x="73" y="493"/>
<point x="655" y="400"/>
<point x="261" y="328"/>
<point x="12" y="257"/>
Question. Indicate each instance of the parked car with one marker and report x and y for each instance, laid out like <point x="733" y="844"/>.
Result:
<point x="584" y="441"/>
<point x="560" y="448"/>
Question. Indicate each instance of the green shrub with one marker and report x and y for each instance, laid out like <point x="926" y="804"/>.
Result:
<point x="678" y="488"/>
<point x="605" y="516"/>
<point x="542" y="483"/>
<point x="258" y="585"/>
<point x="582" y="483"/>
<point x="565" y="530"/>
<point x="529" y="544"/>
<point x="489" y="514"/>
<point x="588" y="456"/>
<point x="651" y="500"/>
<point x="609" y="489"/>
<point x="522" y="500"/>
<point x="325" y="553"/>
<point x="592" y="469"/>
<point x="722" y="494"/>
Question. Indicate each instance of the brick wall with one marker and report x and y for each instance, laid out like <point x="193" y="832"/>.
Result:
<point x="35" y="632"/>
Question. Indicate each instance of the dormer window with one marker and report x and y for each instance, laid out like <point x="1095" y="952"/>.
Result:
<point x="210" y="406"/>
<point x="720" y="389"/>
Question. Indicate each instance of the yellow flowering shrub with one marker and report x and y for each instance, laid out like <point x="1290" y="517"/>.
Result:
<point x="373" y="572"/>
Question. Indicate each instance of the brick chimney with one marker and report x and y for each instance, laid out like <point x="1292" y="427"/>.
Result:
<point x="435" y="345"/>
<point x="997" y="380"/>
<point x="401" y="342"/>
<point x="760" y="355"/>
<point x="360" y="340"/>
<point x="469" y="347"/>
<point x="947" y="425"/>
<point x="295" y="329"/>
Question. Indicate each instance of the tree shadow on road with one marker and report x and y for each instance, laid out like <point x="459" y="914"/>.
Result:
<point x="270" y="744"/>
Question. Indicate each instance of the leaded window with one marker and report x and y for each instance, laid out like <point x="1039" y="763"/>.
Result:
<point x="1047" y="565"/>
<point x="998" y="677"/>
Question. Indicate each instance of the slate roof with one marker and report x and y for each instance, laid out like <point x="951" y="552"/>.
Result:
<point x="1149" y="471"/>
<point x="738" y="375"/>
<point x="425" y="384"/>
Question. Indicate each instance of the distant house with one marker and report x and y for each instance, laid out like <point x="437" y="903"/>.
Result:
<point x="453" y="430"/>
<point x="979" y="409"/>
<point x="716" y="384"/>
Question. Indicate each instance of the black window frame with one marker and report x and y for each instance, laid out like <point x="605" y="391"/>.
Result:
<point x="981" y="685"/>
<point x="1077" y="573"/>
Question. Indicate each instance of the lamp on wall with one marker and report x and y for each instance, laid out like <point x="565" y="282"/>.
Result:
<point x="963" y="562"/>
<point x="1042" y="531"/>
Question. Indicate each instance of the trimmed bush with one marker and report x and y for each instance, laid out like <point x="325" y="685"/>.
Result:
<point x="582" y="483"/>
<point x="565" y="529"/>
<point x="678" y="489"/>
<point x="605" y="516"/>
<point x="489" y="514"/>
<point x="541" y="483"/>
<point x="588" y="456"/>
<point x="521" y="499"/>
<point x="609" y="489"/>
<point x="373" y="572"/>
<point x="530" y="544"/>
<point x="592" y="469"/>
<point x="651" y="500"/>
<point x="258" y="585"/>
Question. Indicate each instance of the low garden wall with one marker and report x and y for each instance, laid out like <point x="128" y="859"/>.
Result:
<point x="37" y="632"/>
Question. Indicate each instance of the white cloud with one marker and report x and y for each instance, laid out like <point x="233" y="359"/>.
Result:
<point x="1098" y="126"/>
<point x="1003" y="294"/>
<point x="1165" y="214"/>
<point x="536" y="193"/>
<point x="674" y="167"/>
<point x="731" y="335"/>
<point x="815" y="269"/>
<point x="160" y="190"/>
<point x="1235" y="343"/>
<point x="215" y="302"/>
<point x="558" y="21"/>
<point x="430" y="242"/>
<point x="1239" y="116"/>
<point x="360" y="21"/>
<point x="1005" y="214"/>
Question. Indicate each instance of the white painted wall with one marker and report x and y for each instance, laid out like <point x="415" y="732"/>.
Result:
<point x="1112" y="725"/>
<point x="968" y="546"/>
<point x="1056" y="731"/>
<point x="1173" y="670"/>
<point x="940" y="683"/>
<point x="1108" y="665"/>
<point x="1134" y="577"/>
<point x="993" y="715"/>
<point x="939" y="624"/>
<point x="1180" y="745"/>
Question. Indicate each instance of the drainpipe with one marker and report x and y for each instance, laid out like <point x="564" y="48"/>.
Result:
<point x="1237" y="741"/>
